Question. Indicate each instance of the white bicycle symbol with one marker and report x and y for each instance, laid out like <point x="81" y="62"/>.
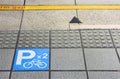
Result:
<point x="37" y="63"/>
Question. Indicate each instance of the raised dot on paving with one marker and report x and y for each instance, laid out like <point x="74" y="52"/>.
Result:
<point x="65" y="39"/>
<point x="8" y="39"/>
<point x="34" y="38"/>
<point x="96" y="39"/>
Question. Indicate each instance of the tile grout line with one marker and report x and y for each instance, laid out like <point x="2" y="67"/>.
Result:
<point x="76" y="13"/>
<point x="61" y="70"/>
<point x="75" y="2"/>
<point x="85" y="63"/>
<point x="16" y="47"/>
<point x="76" y="9"/>
<point x="10" y="75"/>
<point x="49" y="54"/>
<point x="114" y="45"/>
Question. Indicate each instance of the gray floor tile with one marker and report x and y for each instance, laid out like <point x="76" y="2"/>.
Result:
<point x="116" y="37"/>
<point x="98" y="2"/>
<point x="6" y="56"/>
<point x="11" y="2"/>
<point x="99" y="17"/>
<point x="10" y="20"/>
<point x="102" y="59"/>
<point x="68" y="75"/>
<point x="8" y="39"/>
<point x="96" y="38"/>
<point x="67" y="59"/>
<point x="4" y="75"/>
<point x="34" y="39"/>
<point x="50" y="2"/>
<point x="104" y="75"/>
<point x="30" y="75"/>
<point x="65" y="39"/>
<point x="47" y="20"/>
<point x="118" y="49"/>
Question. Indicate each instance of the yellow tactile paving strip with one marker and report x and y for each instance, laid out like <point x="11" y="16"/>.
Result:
<point x="61" y="7"/>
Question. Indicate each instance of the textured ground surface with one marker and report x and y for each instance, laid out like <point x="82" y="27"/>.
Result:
<point x="83" y="54"/>
<point x="74" y="54"/>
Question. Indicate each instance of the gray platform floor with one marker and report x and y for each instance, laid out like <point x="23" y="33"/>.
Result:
<point x="57" y="19"/>
<point x="74" y="54"/>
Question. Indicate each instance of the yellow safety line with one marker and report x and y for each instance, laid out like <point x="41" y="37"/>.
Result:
<point x="62" y="7"/>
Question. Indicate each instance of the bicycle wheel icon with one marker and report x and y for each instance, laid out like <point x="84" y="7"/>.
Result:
<point x="28" y="65"/>
<point x="42" y="65"/>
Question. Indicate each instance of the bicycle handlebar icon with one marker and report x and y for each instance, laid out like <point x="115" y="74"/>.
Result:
<point x="37" y="63"/>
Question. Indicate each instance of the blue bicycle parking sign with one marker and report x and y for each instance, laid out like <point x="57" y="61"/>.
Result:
<point x="31" y="59"/>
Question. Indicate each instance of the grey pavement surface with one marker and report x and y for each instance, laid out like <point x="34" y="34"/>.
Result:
<point x="57" y="19"/>
<point x="8" y="39"/>
<point x="96" y="38"/>
<point x="4" y="75"/>
<point x="62" y="39"/>
<point x="34" y="39"/>
<point x="47" y="20"/>
<point x="6" y="57"/>
<point x="99" y="17"/>
<point x="76" y="54"/>
<point x="30" y="75"/>
<point x="61" y="60"/>
<point x="104" y="75"/>
<point x="10" y="20"/>
<point x="50" y="2"/>
<point x="102" y="59"/>
<point x="11" y="2"/>
<point x="72" y="62"/>
<point x="97" y="2"/>
<point x="57" y="2"/>
<point x="115" y="36"/>
<point x="68" y="75"/>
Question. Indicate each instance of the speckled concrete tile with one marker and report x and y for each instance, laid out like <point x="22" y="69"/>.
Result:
<point x="47" y="20"/>
<point x="6" y="57"/>
<point x="30" y="75"/>
<point x="102" y="59"/>
<point x="98" y="2"/>
<point x="68" y="75"/>
<point x="99" y="17"/>
<point x="11" y="2"/>
<point x="104" y="75"/>
<point x="67" y="59"/>
<point x="10" y="20"/>
<point x="50" y="2"/>
<point x="4" y="75"/>
<point x="118" y="49"/>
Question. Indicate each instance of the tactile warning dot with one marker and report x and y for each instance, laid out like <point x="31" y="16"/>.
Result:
<point x="116" y="37"/>
<point x="34" y="38"/>
<point x="66" y="39"/>
<point x="96" y="39"/>
<point x="8" y="39"/>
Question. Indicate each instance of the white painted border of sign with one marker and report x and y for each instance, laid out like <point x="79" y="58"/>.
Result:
<point x="81" y="26"/>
